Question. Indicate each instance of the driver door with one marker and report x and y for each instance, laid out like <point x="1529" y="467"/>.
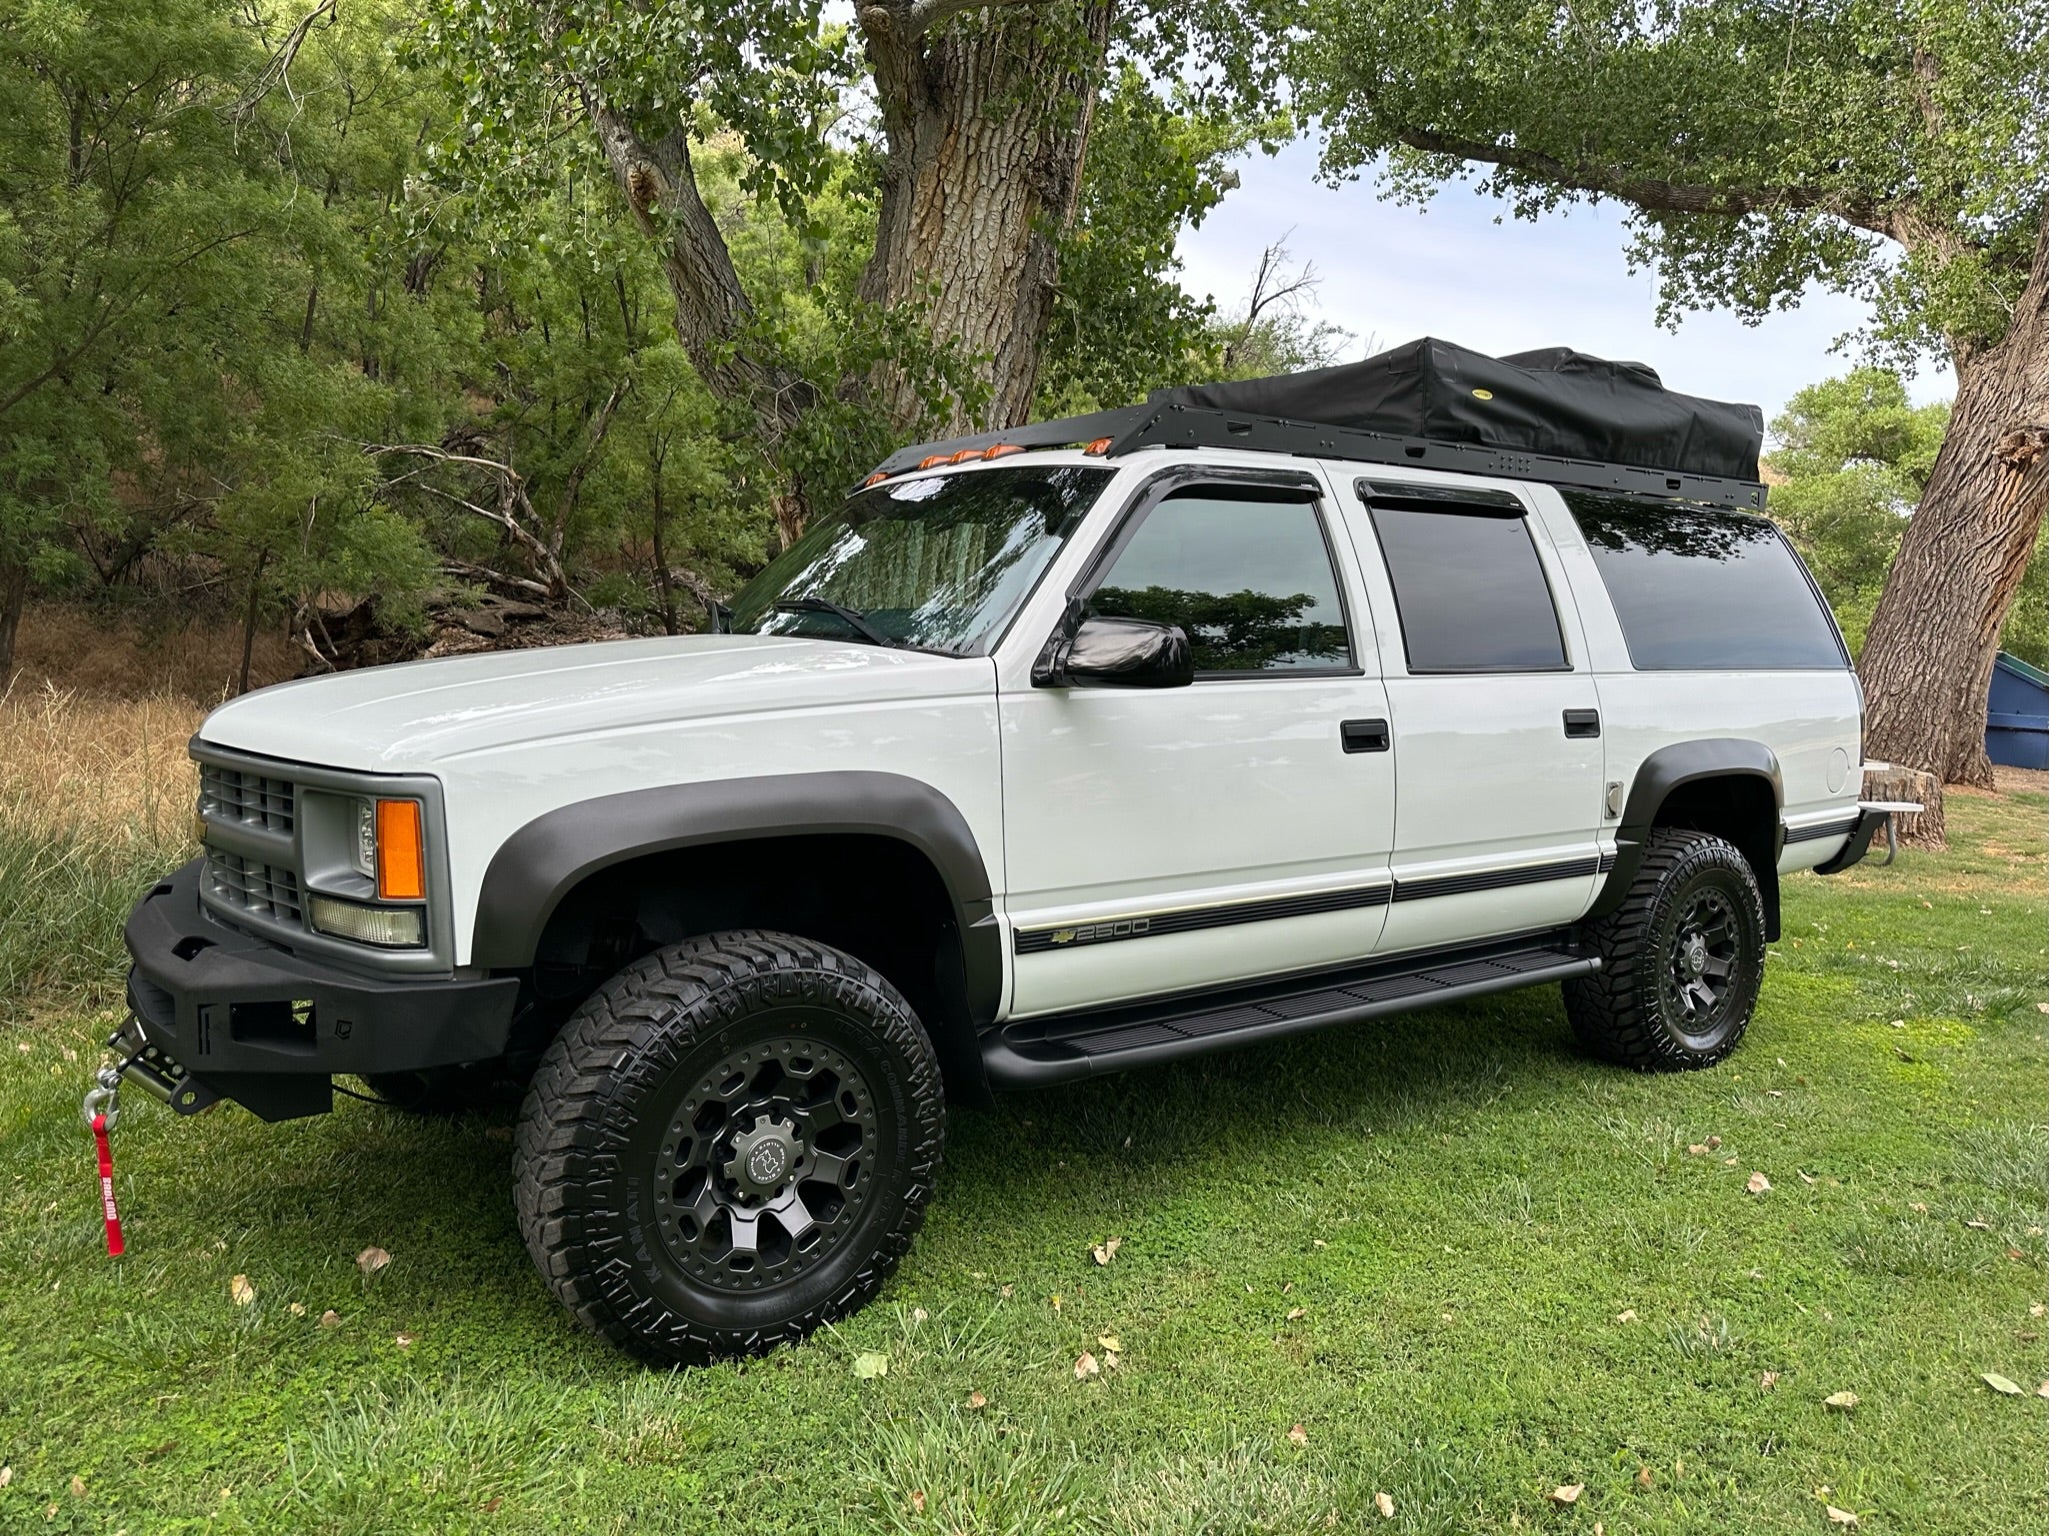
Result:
<point x="1160" y="840"/>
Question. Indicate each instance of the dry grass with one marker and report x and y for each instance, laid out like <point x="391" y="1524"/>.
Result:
<point x="97" y="770"/>
<point x="104" y="655"/>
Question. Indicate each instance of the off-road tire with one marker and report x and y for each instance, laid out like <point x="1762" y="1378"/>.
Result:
<point x="1626" y="1012"/>
<point x="605" y="1105"/>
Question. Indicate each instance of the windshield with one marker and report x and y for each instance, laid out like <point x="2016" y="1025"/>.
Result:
<point x="935" y="564"/>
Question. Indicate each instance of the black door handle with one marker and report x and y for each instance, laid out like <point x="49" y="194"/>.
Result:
<point x="1364" y="735"/>
<point x="1582" y="722"/>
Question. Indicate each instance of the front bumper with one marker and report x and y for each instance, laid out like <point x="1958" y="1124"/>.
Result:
<point x="250" y="1021"/>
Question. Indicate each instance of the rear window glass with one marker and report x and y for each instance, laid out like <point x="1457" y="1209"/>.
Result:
<point x="1701" y="590"/>
<point x="1471" y="594"/>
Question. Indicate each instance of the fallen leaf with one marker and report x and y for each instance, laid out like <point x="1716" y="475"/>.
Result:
<point x="1056" y="1303"/>
<point x="1384" y="1502"/>
<point x="918" y="1501"/>
<point x="1086" y="1367"/>
<point x="330" y="1319"/>
<point x="2041" y="1391"/>
<point x="1697" y="1149"/>
<point x="868" y="1365"/>
<point x="493" y="1504"/>
<point x="406" y="1340"/>
<point x="1840" y="1516"/>
<point x="1842" y="1400"/>
<point x="1758" y="1184"/>
<point x="1296" y="1314"/>
<point x="977" y="1401"/>
<point x="1919" y="1205"/>
<point x="1805" y="1178"/>
<point x="1767" y="1381"/>
<point x="2036" y="1309"/>
<point x="6" y="1476"/>
<point x="1319" y="1242"/>
<point x="241" y="1290"/>
<point x="1714" y="1143"/>
<point x="1567" y="1493"/>
<point x="1109" y="1342"/>
<point x="297" y="1309"/>
<point x="1774" y="1093"/>
<point x="2005" y="1386"/>
<point x="77" y="1486"/>
<point x="1728" y="1162"/>
<point x="1299" y="1435"/>
<point x="1644" y="1478"/>
<point x="1104" y="1252"/>
<point x="1979" y="1224"/>
<point x="1627" y="1315"/>
<point x="371" y="1261"/>
<point x="1007" y="1292"/>
<point x="919" y="1314"/>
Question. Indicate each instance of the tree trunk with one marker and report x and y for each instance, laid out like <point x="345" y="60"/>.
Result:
<point x="1927" y="662"/>
<point x="987" y="127"/>
<point x="249" y="621"/>
<point x="13" y="599"/>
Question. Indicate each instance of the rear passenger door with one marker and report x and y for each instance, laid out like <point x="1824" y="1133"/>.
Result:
<point x="1495" y="718"/>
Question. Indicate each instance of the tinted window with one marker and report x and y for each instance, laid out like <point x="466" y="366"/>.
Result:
<point x="939" y="562"/>
<point x="1698" y="589"/>
<point x="1471" y="594"/>
<point x="1248" y="579"/>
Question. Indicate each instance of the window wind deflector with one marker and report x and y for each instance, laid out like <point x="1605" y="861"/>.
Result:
<point x="1437" y="498"/>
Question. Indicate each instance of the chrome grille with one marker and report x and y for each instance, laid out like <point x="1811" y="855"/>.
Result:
<point x="263" y="890"/>
<point x="229" y="794"/>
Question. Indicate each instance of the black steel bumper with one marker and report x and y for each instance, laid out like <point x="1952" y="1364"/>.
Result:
<point x="246" y="1020"/>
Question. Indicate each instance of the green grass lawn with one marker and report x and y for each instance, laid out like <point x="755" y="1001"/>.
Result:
<point x="1472" y="1267"/>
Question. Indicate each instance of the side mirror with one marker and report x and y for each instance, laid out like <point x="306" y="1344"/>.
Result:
<point x="1119" y="653"/>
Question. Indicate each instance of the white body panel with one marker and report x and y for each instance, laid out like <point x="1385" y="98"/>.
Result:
<point x="514" y="735"/>
<point x="1098" y="804"/>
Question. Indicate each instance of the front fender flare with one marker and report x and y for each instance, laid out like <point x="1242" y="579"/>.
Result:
<point x="541" y="863"/>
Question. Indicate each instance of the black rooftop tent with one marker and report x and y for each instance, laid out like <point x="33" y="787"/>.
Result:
<point x="1554" y="415"/>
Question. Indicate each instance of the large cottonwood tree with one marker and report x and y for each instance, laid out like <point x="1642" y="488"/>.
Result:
<point x="1893" y="149"/>
<point x="976" y="116"/>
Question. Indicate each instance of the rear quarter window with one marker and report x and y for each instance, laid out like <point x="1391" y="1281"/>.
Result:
<point x="1703" y="590"/>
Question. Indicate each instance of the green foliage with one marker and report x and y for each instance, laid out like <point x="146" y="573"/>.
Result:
<point x="1853" y="456"/>
<point x="1759" y="147"/>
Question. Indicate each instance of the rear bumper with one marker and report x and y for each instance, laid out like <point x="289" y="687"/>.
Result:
<point x="253" y="1022"/>
<point x="1868" y="825"/>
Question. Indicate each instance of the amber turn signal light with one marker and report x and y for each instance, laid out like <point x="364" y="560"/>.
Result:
<point x="401" y="852"/>
<point x="1100" y="446"/>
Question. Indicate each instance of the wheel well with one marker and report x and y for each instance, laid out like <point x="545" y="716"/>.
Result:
<point x="1742" y="809"/>
<point x="876" y="897"/>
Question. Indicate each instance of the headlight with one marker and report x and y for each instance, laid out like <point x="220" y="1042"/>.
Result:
<point x="363" y="844"/>
<point x="386" y="927"/>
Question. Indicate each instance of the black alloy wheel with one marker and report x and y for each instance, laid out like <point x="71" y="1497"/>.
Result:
<point x="731" y="1142"/>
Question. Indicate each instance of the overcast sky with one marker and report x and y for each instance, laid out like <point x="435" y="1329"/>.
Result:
<point x="1393" y="273"/>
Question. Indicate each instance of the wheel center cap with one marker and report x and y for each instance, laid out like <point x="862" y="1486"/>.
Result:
<point x="763" y="1158"/>
<point x="1696" y="954"/>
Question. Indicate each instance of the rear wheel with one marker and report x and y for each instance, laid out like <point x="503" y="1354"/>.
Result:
<point x="1682" y="958"/>
<point x="730" y="1143"/>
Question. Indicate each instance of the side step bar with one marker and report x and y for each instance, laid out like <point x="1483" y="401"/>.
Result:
<point x="1041" y="1052"/>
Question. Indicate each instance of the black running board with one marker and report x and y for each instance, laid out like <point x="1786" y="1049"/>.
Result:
<point x="1038" y="1053"/>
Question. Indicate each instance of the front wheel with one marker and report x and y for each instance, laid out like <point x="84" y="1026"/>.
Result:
<point x="1682" y="959"/>
<point x="731" y="1142"/>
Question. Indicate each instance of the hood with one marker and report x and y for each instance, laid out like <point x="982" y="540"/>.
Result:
<point x="419" y="714"/>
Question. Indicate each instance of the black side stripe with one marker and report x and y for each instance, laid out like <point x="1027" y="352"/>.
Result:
<point x="1823" y="829"/>
<point x="1029" y="941"/>
<point x="1495" y="879"/>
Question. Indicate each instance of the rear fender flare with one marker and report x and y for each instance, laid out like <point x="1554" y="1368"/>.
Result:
<point x="1668" y="769"/>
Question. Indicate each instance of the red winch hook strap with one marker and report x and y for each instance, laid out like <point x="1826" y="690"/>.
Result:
<point x="107" y="1207"/>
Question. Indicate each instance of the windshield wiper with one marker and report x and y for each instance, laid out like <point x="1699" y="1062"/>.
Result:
<point x="853" y="618"/>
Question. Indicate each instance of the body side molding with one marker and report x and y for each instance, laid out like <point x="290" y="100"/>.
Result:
<point x="548" y="857"/>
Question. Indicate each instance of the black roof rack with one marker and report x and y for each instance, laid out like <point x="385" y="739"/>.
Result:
<point x="1133" y="427"/>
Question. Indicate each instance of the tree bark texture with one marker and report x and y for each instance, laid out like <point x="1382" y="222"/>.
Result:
<point x="986" y="127"/>
<point x="1927" y="661"/>
<point x="13" y="599"/>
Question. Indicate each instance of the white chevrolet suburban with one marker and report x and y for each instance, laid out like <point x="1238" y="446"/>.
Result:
<point x="1088" y="746"/>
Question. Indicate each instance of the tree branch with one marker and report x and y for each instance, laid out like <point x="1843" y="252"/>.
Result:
<point x="1894" y="220"/>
